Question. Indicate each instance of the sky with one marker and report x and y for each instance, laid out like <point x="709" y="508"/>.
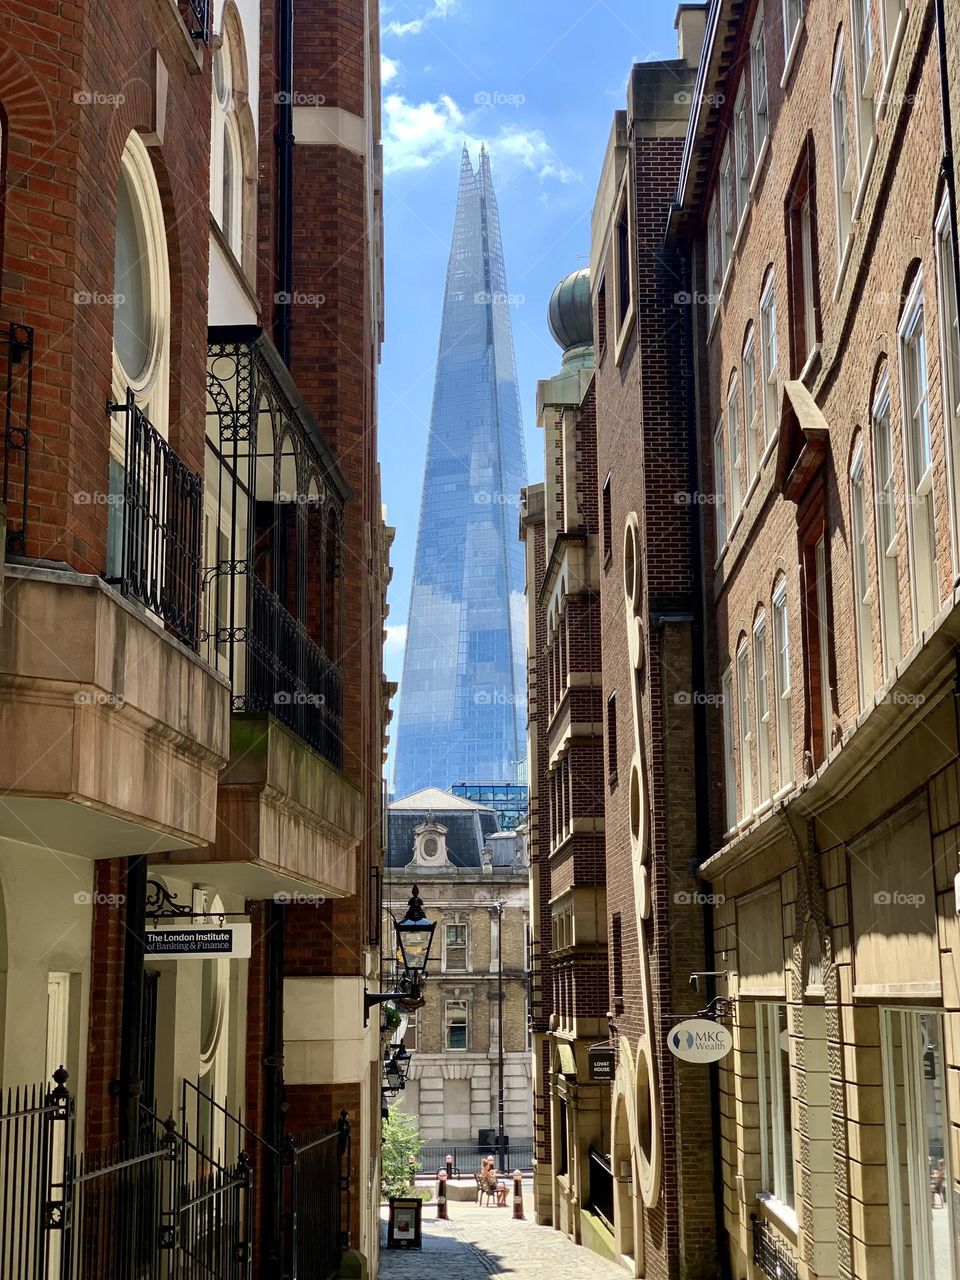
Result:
<point x="538" y="81"/>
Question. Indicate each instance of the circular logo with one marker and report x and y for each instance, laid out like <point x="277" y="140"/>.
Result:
<point x="699" y="1040"/>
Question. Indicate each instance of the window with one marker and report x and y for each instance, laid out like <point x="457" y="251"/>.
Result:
<point x="622" y="256"/>
<point x="761" y="693"/>
<point x="758" y="78"/>
<point x="843" y="164"/>
<point x="736" y="462"/>
<point x="226" y="166"/>
<point x="792" y="14"/>
<point x="892" y="15"/>
<point x="751" y="415"/>
<point x="950" y="348"/>
<point x="923" y="1230"/>
<point x="719" y="483"/>
<point x="601" y="320"/>
<point x="455" y="948"/>
<point x="714" y="257"/>
<point x="616" y="950"/>
<point x="768" y="357"/>
<point x="861" y="12"/>
<point x="455" y="1022"/>
<point x="607" y="516"/>
<point x="775" y="1096"/>
<point x="728" y="208"/>
<point x="612" y="738"/>
<point x="743" y="159"/>
<point x="729" y="758"/>
<point x="746" y="733"/>
<point x="885" y="497"/>
<point x="808" y="276"/>
<point x="804" y="271"/>
<point x="919" y="460"/>
<point x="862" y="589"/>
<point x="820" y="635"/>
<point x="782" y="684"/>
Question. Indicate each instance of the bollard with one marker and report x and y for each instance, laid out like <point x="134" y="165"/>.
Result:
<point x="442" y="1195"/>
<point x="517" y="1194"/>
<point x="449" y="1163"/>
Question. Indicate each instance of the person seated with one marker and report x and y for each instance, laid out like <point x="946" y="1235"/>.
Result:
<point x="493" y="1184"/>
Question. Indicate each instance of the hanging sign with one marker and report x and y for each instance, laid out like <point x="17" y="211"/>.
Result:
<point x="699" y="1040"/>
<point x="603" y="1064"/>
<point x="199" y="941"/>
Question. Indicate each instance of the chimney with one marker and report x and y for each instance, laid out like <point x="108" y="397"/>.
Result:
<point x="690" y="25"/>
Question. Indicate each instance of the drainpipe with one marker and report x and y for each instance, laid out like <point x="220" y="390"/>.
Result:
<point x="283" y="309"/>
<point x="274" y="1100"/>
<point x="701" y="753"/>
<point x="131" y="1016"/>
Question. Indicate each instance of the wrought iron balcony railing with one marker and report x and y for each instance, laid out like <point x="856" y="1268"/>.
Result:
<point x="16" y="388"/>
<point x="274" y="665"/>
<point x="770" y="1256"/>
<point x="198" y="14"/>
<point x="155" y="527"/>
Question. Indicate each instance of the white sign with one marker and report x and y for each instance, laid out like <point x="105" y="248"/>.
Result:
<point x="699" y="1040"/>
<point x="199" y="941"/>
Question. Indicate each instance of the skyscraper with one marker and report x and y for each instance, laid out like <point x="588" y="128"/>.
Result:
<point x="462" y="700"/>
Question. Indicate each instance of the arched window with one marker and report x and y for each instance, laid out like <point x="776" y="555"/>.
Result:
<point x="862" y="585"/>
<point x="751" y="413"/>
<point x="885" y="520"/>
<point x="226" y="162"/>
<point x="736" y="457"/>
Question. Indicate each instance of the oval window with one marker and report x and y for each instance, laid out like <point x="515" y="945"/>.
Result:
<point x="131" y="287"/>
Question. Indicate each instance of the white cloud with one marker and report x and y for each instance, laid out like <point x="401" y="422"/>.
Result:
<point x="389" y="69"/>
<point x="417" y="135"/>
<point x="413" y="26"/>
<point x="396" y="639"/>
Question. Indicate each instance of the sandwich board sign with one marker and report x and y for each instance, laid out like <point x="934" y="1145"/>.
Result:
<point x="699" y="1040"/>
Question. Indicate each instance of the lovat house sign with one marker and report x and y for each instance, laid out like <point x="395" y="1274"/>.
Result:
<point x="699" y="1040"/>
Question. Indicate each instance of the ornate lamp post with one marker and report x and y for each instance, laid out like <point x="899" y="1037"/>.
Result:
<point x="414" y="940"/>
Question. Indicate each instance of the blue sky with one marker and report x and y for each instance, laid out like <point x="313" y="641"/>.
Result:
<point x="538" y="82"/>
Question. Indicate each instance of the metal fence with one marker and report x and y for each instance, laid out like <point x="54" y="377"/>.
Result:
<point x="318" y="1194"/>
<point x="770" y="1255"/>
<point x="468" y="1156"/>
<point x="160" y="536"/>
<point x="601" y="1186"/>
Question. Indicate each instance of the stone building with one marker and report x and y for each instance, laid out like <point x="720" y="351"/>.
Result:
<point x="193" y="598"/>
<point x="472" y="878"/>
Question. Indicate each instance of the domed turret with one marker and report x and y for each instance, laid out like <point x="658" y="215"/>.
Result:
<point x="570" y="317"/>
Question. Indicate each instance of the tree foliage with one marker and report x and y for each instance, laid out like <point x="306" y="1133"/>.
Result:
<point x="401" y="1141"/>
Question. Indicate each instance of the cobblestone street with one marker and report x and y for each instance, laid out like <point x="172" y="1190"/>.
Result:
<point x="479" y="1242"/>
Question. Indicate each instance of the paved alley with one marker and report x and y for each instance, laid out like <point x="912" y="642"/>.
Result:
<point x="479" y="1242"/>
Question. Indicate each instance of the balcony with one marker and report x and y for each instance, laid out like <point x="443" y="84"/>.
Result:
<point x="271" y="624"/>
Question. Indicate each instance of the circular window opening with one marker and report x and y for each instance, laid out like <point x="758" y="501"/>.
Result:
<point x="131" y="300"/>
<point x="629" y="563"/>
<point x="214" y="979"/>
<point x="635" y="803"/>
<point x="430" y="847"/>
<point x="221" y="82"/>
<point x="644" y="1126"/>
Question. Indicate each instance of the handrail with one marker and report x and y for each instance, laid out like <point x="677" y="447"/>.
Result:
<point x="217" y="1106"/>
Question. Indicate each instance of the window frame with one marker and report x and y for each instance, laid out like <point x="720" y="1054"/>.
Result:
<point x="845" y="178"/>
<point x="458" y="925"/>
<point x="759" y="101"/>
<point x="453" y="1004"/>
<point x="623" y="317"/>
<point x="862" y="584"/>
<point x="743" y="159"/>
<point x="761" y="695"/>
<point x="736" y="451"/>
<point x="729" y="749"/>
<point x="783" y="684"/>
<point x="775" y="1107"/>
<point x="769" y="346"/>
<point x="751" y="410"/>
<point x="915" y="406"/>
<point x="864" y="78"/>
<point x="720" y="486"/>
<point x="948" y="316"/>
<point x="885" y="521"/>
<point x="744" y="729"/>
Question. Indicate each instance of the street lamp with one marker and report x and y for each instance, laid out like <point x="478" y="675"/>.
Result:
<point x="395" y="1069"/>
<point x="414" y="939"/>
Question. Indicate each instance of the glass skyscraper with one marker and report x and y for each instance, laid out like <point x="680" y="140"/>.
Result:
<point x="462" y="711"/>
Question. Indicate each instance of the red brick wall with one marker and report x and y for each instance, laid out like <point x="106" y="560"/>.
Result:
<point x="62" y="158"/>
<point x="101" y="1109"/>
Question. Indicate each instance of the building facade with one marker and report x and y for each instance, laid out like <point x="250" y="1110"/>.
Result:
<point x="463" y="691"/>
<point x="817" y="206"/>
<point x="192" y="613"/>
<point x="470" y="1042"/>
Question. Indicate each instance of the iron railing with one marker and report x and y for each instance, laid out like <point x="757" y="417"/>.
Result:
<point x="16" y="388"/>
<point x="468" y="1156"/>
<point x="770" y="1256"/>
<point x="159" y="515"/>
<point x="275" y="666"/>
<point x="318" y="1200"/>
<point x="198" y="13"/>
<point x="600" y="1200"/>
<point x="162" y="1210"/>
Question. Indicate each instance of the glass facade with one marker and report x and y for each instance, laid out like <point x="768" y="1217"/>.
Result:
<point x="462" y="715"/>
<point x="507" y="800"/>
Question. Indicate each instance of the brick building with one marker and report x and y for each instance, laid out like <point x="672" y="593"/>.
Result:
<point x="473" y="880"/>
<point x="774" y="286"/>
<point x="193" y="607"/>
<point x="816" y="208"/>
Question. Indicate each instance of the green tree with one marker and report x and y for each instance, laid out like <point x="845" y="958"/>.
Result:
<point x="401" y="1141"/>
